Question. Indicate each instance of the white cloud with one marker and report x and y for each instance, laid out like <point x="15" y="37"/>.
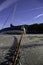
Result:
<point x="7" y="3"/>
<point x="32" y="9"/>
<point x="38" y="16"/>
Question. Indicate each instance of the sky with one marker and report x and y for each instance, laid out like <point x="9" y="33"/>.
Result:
<point x="18" y="12"/>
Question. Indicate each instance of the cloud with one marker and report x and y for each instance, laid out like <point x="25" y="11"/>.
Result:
<point x="32" y="9"/>
<point x="36" y="8"/>
<point x="7" y="3"/>
<point x="38" y="16"/>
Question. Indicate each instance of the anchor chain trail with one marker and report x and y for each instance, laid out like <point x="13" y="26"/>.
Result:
<point x="15" y="58"/>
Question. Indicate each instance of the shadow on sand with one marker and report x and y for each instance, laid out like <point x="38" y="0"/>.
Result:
<point x="11" y="52"/>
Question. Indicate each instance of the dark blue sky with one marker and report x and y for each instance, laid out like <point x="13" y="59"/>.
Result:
<point x="21" y="12"/>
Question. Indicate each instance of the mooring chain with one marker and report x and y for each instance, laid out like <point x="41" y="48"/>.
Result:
<point x="16" y="53"/>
